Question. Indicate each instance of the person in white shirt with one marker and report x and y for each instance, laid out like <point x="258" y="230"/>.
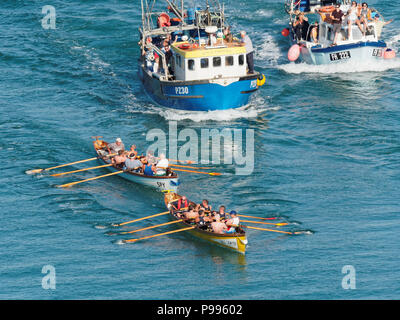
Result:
<point x="116" y="146"/>
<point x="233" y="222"/>
<point x="249" y="50"/>
<point x="162" y="165"/>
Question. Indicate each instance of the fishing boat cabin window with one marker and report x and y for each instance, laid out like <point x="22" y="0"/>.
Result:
<point x="178" y="60"/>
<point x="191" y="64"/>
<point x="229" y="61"/>
<point x="217" y="62"/>
<point x="204" y="63"/>
<point x="241" y="60"/>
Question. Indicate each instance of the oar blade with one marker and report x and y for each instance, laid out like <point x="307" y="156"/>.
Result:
<point x="33" y="171"/>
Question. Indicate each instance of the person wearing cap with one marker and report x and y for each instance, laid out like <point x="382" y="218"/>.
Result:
<point x="116" y="146"/>
<point x="379" y="24"/>
<point x="234" y="221"/>
<point x="132" y="152"/>
<point x="246" y="41"/>
<point x="132" y="164"/>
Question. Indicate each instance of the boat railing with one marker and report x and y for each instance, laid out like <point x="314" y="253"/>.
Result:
<point x="163" y="59"/>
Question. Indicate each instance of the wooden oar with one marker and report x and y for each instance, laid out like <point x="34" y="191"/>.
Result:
<point x="75" y="171"/>
<point x="210" y="173"/>
<point x="179" y="166"/>
<point x="268" y="230"/>
<point x="63" y="165"/>
<point x="183" y="161"/>
<point x="274" y="224"/>
<point x="94" y="178"/>
<point x="140" y="219"/>
<point x="242" y="215"/>
<point x="158" y="234"/>
<point x="60" y="166"/>
<point x="152" y="227"/>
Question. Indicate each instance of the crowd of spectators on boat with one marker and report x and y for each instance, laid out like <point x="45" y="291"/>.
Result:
<point x="358" y="14"/>
<point x="202" y="215"/>
<point x="129" y="160"/>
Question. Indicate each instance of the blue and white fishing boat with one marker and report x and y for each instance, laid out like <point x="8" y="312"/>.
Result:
<point x="202" y="69"/>
<point x="317" y="46"/>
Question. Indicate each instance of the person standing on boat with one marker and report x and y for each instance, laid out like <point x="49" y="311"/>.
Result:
<point x="379" y="24"/>
<point x="301" y="26"/>
<point x="337" y="16"/>
<point x="116" y="146"/>
<point x="249" y="50"/>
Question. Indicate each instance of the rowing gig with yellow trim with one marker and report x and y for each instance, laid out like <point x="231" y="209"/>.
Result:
<point x="234" y="241"/>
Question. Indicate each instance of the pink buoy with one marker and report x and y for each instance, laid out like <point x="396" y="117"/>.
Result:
<point x="294" y="52"/>
<point x="285" y="32"/>
<point x="389" y="54"/>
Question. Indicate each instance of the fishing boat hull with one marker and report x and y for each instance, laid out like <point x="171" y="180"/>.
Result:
<point x="361" y="52"/>
<point x="235" y="242"/>
<point x="200" y="95"/>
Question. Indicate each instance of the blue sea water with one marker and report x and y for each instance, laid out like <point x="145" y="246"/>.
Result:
<point x="327" y="156"/>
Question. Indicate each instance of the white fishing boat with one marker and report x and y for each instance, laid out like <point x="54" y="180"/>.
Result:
<point x="318" y="46"/>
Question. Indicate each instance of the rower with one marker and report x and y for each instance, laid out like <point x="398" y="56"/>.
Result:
<point x="116" y="146"/>
<point x="120" y="159"/>
<point x="192" y="216"/>
<point x="204" y="205"/>
<point x="221" y="212"/>
<point x="162" y="165"/>
<point x="233" y="222"/>
<point x="132" y="164"/>
<point x="182" y="203"/>
<point x="218" y="226"/>
<point x="148" y="169"/>
<point x="132" y="152"/>
<point x="202" y="221"/>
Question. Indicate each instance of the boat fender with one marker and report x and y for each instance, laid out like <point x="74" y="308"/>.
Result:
<point x="285" y="32"/>
<point x="389" y="54"/>
<point x="294" y="52"/>
<point x="260" y="80"/>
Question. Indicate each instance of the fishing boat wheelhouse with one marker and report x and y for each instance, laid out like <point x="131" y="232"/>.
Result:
<point x="200" y="70"/>
<point x="350" y="46"/>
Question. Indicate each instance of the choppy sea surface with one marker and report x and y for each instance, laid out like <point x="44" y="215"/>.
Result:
<point x="327" y="160"/>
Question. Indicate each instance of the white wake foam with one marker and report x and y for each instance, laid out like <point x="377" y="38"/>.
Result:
<point x="199" y="116"/>
<point x="267" y="50"/>
<point x="350" y="67"/>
